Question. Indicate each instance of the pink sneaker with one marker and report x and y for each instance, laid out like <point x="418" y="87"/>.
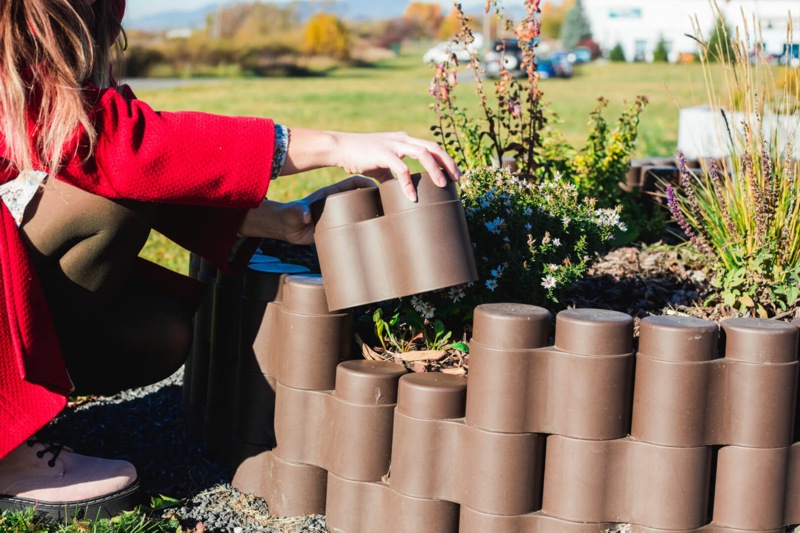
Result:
<point x="55" y="480"/>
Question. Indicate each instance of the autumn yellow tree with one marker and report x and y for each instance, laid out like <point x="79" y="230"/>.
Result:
<point x="553" y="17"/>
<point x="423" y="19"/>
<point x="450" y="26"/>
<point x="326" y="35"/>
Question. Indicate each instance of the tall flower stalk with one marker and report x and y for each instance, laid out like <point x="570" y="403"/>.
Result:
<point x="513" y="120"/>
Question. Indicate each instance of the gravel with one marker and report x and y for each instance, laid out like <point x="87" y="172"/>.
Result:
<point x="146" y="427"/>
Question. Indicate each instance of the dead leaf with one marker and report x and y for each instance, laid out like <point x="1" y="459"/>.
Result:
<point x="418" y="366"/>
<point x="367" y="352"/>
<point x="455" y="371"/>
<point x="421" y="355"/>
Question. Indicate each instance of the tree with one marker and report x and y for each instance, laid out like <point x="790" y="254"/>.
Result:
<point x="661" y="54"/>
<point x="423" y="18"/>
<point x="449" y="26"/>
<point x="553" y="17"/>
<point x="576" y="26"/>
<point x="617" y="54"/>
<point x="719" y="46"/>
<point x="326" y="35"/>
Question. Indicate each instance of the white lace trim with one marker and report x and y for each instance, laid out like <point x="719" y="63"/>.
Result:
<point x="19" y="192"/>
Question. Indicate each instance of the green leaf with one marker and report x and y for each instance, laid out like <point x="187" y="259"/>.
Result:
<point x="460" y="346"/>
<point x="729" y="298"/>
<point x="163" y="502"/>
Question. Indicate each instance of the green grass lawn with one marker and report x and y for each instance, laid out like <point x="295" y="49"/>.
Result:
<point x="393" y="95"/>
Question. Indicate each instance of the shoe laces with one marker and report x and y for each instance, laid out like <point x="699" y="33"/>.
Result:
<point x="49" y="447"/>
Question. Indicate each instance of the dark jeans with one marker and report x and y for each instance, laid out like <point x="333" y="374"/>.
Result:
<point x="116" y="332"/>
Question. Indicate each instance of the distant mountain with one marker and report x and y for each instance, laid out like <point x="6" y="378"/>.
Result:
<point x="347" y="9"/>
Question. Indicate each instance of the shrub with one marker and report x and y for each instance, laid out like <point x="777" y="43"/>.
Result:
<point x="661" y="54"/>
<point x="326" y="35"/>
<point x="743" y="214"/>
<point x="138" y="61"/>
<point x="599" y="168"/>
<point x="617" y="54"/>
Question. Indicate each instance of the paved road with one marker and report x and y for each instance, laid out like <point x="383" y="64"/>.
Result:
<point x="147" y="84"/>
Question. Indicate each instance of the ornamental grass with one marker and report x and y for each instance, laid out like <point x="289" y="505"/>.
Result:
<point x="741" y="212"/>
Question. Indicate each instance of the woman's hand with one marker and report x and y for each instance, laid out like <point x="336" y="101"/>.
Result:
<point x="291" y="222"/>
<point x="378" y="155"/>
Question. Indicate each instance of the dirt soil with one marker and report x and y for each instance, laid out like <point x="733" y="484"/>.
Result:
<point x="649" y="280"/>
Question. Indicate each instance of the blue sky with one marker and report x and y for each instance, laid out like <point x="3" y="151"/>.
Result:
<point x="140" y="8"/>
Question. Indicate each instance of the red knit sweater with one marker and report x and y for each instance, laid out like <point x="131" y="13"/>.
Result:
<point x="215" y="167"/>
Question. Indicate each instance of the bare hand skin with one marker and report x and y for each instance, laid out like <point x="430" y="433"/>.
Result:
<point x="377" y="155"/>
<point x="291" y="222"/>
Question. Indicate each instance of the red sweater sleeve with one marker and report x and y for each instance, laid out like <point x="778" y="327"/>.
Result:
<point x="184" y="158"/>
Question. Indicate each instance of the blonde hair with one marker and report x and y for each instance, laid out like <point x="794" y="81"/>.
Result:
<point x="48" y="50"/>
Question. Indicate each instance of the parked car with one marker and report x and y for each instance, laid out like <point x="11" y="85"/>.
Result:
<point x="561" y="63"/>
<point x="555" y="65"/>
<point x="442" y="52"/>
<point x="581" y="54"/>
<point x="505" y="52"/>
<point x="790" y="55"/>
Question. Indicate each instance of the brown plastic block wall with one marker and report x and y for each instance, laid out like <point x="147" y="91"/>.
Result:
<point x="562" y="438"/>
<point x="347" y="433"/>
<point x="404" y="247"/>
<point x="686" y="396"/>
<point x="518" y="387"/>
<point x="626" y="481"/>
<point x="375" y="507"/>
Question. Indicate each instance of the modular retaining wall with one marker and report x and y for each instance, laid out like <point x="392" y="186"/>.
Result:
<point x="692" y="431"/>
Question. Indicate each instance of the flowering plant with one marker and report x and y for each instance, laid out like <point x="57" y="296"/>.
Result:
<point x="742" y="213"/>
<point x="515" y="127"/>
<point x="511" y="128"/>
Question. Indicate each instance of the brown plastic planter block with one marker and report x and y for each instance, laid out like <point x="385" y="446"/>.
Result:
<point x="374" y="244"/>
<point x="793" y="486"/>
<point x="751" y="488"/>
<point x="517" y="387"/>
<point x="291" y="489"/>
<point x="436" y="456"/>
<point x="349" y="432"/>
<point x="310" y="340"/>
<point x="686" y="396"/>
<point x="354" y="506"/>
<point x="626" y="481"/>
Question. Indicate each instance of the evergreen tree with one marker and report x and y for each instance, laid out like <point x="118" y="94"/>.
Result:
<point x="617" y="54"/>
<point x="661" y="54"/>
<point x="576" y="26"/>
<point x="720" y="47"/>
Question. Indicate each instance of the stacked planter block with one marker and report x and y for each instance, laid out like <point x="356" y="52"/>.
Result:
<point x="297" y="345"/>
<point x="222" y="372"/>
<point x="573" y="437"/>
<point x="407" y="247"/>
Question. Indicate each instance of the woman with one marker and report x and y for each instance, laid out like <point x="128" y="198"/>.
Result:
<point x="87" y="171"/>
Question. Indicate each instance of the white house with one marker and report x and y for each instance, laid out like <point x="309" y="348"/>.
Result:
<point x="638" y="25"/>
